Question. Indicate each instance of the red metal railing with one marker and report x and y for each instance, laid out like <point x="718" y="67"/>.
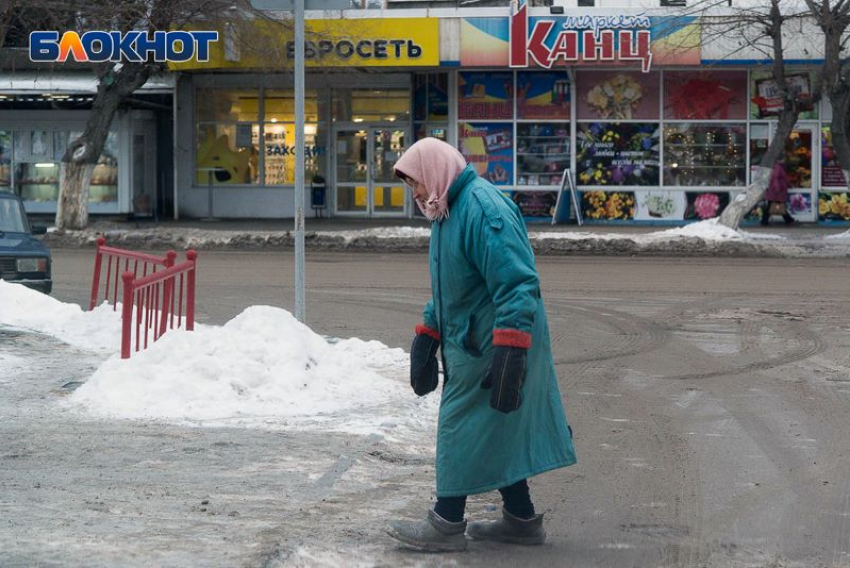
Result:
<point x="134" y="262"/>
<point x="151" y="304"/>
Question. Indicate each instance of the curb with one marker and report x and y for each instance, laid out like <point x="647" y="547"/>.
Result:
<point x="330" y="242"/>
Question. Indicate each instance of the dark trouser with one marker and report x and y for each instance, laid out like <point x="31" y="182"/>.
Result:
<point x="516" y="498"/>
<point x="765" y="216"/>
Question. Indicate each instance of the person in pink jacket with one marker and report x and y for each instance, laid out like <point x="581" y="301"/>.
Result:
<point x="777" y="193"/>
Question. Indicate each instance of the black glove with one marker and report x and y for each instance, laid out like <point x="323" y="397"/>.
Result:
<point x="423" y="364"/>
<point x="505" y="377"/>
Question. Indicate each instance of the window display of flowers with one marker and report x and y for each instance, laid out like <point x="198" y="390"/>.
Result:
<point x="834" y="206"/>
<point x="618" y="154"/>
<point x="615" y="98"/>
<point x="603" y="205"/>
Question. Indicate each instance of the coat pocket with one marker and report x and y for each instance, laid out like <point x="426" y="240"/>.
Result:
<point x="470" y="344"/>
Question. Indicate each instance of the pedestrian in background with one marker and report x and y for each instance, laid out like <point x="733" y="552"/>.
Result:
<point x="777" y="195"/>
<point x="501" y="419"/>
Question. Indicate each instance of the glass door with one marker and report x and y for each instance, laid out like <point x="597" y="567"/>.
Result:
<point x="799" y="165"/>
<point x="365" y="185"/>
<point x="352" y="172"/>
<point x="387" y="191"/>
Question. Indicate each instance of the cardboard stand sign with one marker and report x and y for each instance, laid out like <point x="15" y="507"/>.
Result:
<point x="562" y="205"/>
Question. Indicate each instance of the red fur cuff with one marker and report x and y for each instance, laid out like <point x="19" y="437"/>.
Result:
<point x="427" y="331"/>
<point x="512" y="338"/>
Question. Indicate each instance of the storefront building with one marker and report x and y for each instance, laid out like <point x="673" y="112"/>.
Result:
<point x="652" y="126"/>
<point x="41" y="112"/>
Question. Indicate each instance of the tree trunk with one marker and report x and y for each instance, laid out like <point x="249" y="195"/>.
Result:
<point x="83" y="153"/>
<point x="73" y="210"/>
<point x="744" y="203"/>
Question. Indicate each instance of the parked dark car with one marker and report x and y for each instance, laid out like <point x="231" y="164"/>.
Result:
<point x="23" y="259"/>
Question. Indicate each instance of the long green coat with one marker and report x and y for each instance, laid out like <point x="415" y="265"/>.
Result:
<point x="483" y="279"/>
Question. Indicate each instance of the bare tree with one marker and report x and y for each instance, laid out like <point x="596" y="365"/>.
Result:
<point x="761" y="29"/>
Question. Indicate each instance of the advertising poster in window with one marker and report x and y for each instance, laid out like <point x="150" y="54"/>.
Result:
<point x="834" y="206"/>
<point x="536" y="205"/>
<point x="489" y="148"/>
<point x="543" y="95"/>
<point x="699" y="95"/>
<point x="705" y="205"/>
<point x="617" y="154"/>
<point x="608" y="205"/>
<point x="660" y="205"/>
<point x="767" y="100"/>
<point x="830" y="172"/>
<point x="485" y="96"/>
<point x="612" y="95"/>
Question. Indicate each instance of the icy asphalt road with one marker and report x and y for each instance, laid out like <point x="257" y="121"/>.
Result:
<point x="710" y="400"/>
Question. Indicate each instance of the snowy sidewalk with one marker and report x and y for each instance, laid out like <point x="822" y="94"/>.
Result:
<point x="247" y="444"/>
<point x="705" y="238"/>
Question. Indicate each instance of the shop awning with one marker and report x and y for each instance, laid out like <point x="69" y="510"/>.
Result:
<point x="68" y="82"/>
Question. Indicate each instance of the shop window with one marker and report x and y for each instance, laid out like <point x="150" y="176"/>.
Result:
<point x="279" y="106"/>
<point x="280" y="152"/>
<point x="430" y="105"/>
<point x="798" y="153"/>
<point x="617" y="154"/>
<point x="698" y="95"/>
<point x="38" y="156"/>
<point x="371" y="105"/>
<point x="228" y="136"/>
<point x="704" y="155"/>
<point x="543" y="152"/>
<point x="617" y="95"/>
<point x="219" y="105"/>
<point x="485" y="95"/>
<point x="488" y="146"/>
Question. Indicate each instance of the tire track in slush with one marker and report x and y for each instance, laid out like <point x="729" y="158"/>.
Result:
<point x="807" y="344"/>
<point x="632" y="334"/>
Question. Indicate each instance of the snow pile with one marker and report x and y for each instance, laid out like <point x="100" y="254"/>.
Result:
<point x="98" y="330"/>
<point x="379" y="233"/>
<point x="709" y="230"/>
<point x="578" y="235"/>
<point x="840" y="236"/>
<point x="263" y="367"/>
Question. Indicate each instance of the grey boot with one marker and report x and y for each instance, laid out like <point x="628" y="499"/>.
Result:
<point x="510" y="529"/>
<point x="434" y="534"/>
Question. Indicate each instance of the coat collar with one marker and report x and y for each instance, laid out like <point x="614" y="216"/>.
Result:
<point x="462" y="181"/>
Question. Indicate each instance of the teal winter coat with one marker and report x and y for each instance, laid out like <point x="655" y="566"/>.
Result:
<point x="484" y="284"/>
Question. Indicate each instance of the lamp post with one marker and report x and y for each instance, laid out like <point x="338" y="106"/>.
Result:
<point x="299" y="161"/>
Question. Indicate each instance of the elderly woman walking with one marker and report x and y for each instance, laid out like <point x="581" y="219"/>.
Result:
<point x="501" y="418"/>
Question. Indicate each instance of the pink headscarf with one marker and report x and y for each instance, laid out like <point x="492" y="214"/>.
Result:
<point x="436" y="165"/>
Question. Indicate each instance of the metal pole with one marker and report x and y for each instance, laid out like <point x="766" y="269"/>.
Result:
<point x="299" y="160"/>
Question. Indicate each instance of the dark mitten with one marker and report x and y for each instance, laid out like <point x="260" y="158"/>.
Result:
<point x="424" y="375"/>
<point x="505" y="378"/>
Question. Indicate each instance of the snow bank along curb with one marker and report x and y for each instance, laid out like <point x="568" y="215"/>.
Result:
<point x="408" y="239"/>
